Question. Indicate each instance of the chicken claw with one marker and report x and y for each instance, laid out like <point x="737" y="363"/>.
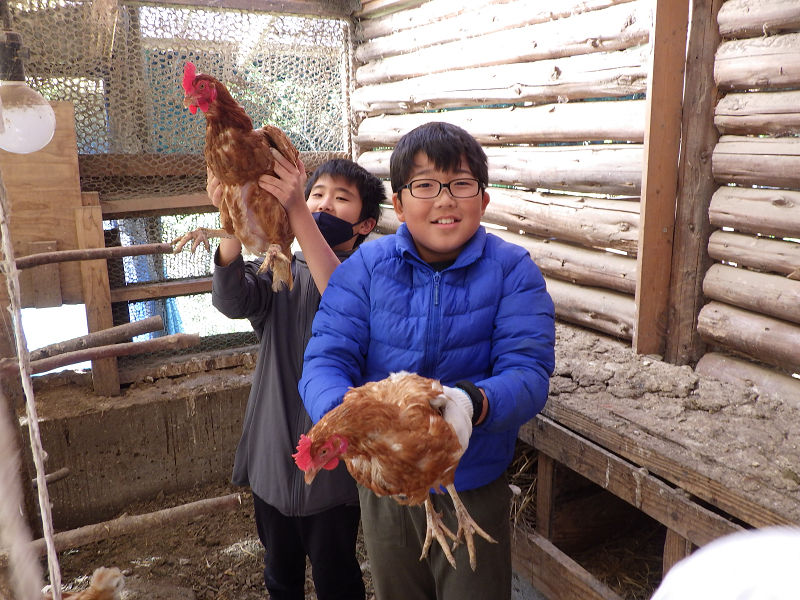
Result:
<point x="197" y="237"/>
<point x="467" y="527"/>
<point x="436" y="529"/>
<point x="280" y="265"/>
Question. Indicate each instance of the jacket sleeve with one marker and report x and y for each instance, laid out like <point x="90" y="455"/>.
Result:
<point x="335" y="355"/>
<point x="523" y="349"/>
<point x="238" y="292"/>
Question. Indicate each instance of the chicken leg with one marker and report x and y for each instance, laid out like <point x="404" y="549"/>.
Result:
<point x="436" y="529"/>
<point x="467" y="527"/>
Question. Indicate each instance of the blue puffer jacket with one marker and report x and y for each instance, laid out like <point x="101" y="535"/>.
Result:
<point x="487" y="318"/>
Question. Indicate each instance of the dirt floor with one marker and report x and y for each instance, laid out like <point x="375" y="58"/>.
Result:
<point x="219" y="557"/>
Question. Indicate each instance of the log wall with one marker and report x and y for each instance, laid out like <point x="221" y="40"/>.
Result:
<point x="752" y="289"/>
<point x="557" y="97"/>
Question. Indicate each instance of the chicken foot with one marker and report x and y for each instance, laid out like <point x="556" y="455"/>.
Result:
<point x="197" y="237"/>
<point x="436" y="529"/>
<point x="280" y="265"/>
<point x="467" y="527"/>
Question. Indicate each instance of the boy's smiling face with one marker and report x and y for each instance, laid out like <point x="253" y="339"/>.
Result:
<point x="440" y="226"/>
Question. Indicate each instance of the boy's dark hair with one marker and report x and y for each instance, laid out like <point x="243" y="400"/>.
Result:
<point x="369" y="187"/>
<point x="444" y="144"/>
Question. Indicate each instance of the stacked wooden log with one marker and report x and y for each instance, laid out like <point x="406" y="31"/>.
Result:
<point x="523" y="74"/>
<point x="754" y="288"/>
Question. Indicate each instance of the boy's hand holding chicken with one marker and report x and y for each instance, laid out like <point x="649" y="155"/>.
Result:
<point x="402" y="437"/>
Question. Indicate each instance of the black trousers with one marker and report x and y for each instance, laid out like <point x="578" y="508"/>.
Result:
<point x="327" y="538"/>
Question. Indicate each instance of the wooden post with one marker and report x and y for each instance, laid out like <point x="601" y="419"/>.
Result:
<point x="545" y="495"/>
<point x="660" y="174"/>
<point x="696" y="185"/>
<point x="676" y="547"/>
<point x="97" y="295"/>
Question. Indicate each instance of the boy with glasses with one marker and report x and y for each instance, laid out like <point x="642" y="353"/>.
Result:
<point x="444" y="299"/>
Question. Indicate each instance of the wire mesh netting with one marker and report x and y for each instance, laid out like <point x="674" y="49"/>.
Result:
<point x="121" y="66"/>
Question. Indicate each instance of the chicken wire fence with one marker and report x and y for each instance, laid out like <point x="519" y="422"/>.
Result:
<point x="121" y="65"/>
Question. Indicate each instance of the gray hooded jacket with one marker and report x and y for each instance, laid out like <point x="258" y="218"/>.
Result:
<point x="275" y="416"/>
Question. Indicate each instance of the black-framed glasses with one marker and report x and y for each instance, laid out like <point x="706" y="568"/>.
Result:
<point x="428" y="189"/>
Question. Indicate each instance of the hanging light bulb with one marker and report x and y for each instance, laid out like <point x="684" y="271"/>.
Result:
<point x="27" y="121"/>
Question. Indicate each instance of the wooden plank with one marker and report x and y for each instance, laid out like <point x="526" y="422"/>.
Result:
<point x="43" y="188"/>
<point x="97" y="295"/>
<point x="765" y="381"/>
<point x="45" y="279"/>
<point x="627" y="481"/>
<point x="157" y="205"/>
<point x="552" y="572"/>
<point x="676" y="547"/>
<point x="662" y="458"/>
<point x="762" y="62"/>
<point x="755" y="252"/>
<point x="660" y="175"/>
<point x="595" y="308"/>
<point x="164" y="289"/>
<point x="695" y="186"/>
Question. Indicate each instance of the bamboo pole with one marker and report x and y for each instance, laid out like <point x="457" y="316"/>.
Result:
<point x="100" y="338"/>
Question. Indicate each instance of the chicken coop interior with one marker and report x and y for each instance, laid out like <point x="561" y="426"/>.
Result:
<point x="645" y="152"/>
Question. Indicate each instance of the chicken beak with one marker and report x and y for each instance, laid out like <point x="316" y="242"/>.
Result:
<point x="188" y="101"/>
<point x="310" y="474"/>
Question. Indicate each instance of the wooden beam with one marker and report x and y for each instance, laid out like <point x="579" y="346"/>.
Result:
<point x="662" y="457"/>
<point x="96" y="295"/>
<point x="667" y="505"/>
<point x="552" y="572"/>
<point x="340" y="8"/>
<point x="164" y="289"/>
<point x="157" y="205"/>
<point x="695" y="187"/>
<point x="660" y="174"/>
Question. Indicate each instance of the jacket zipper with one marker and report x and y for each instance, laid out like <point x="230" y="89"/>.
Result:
<point x="432" y="346"/>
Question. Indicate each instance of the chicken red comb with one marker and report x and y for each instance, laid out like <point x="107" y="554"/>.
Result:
<point x="189" y="72"/>
<point x="302" y="457"/>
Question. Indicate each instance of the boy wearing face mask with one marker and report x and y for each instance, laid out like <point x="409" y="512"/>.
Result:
<point x="340" y="206"/>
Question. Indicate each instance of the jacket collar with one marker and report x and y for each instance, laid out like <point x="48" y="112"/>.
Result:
<point x="469" y="254"/>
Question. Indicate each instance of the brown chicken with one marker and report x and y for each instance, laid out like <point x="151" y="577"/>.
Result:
<point x="395" y="442"/>
<point x="106" y="584"/>
<point x="238" y="155"/>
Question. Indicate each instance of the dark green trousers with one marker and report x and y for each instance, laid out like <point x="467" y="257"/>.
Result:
<point x="394" y="536"/>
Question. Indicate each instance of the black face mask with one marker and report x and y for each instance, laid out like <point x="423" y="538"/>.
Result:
<point x="333" y="229"/>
